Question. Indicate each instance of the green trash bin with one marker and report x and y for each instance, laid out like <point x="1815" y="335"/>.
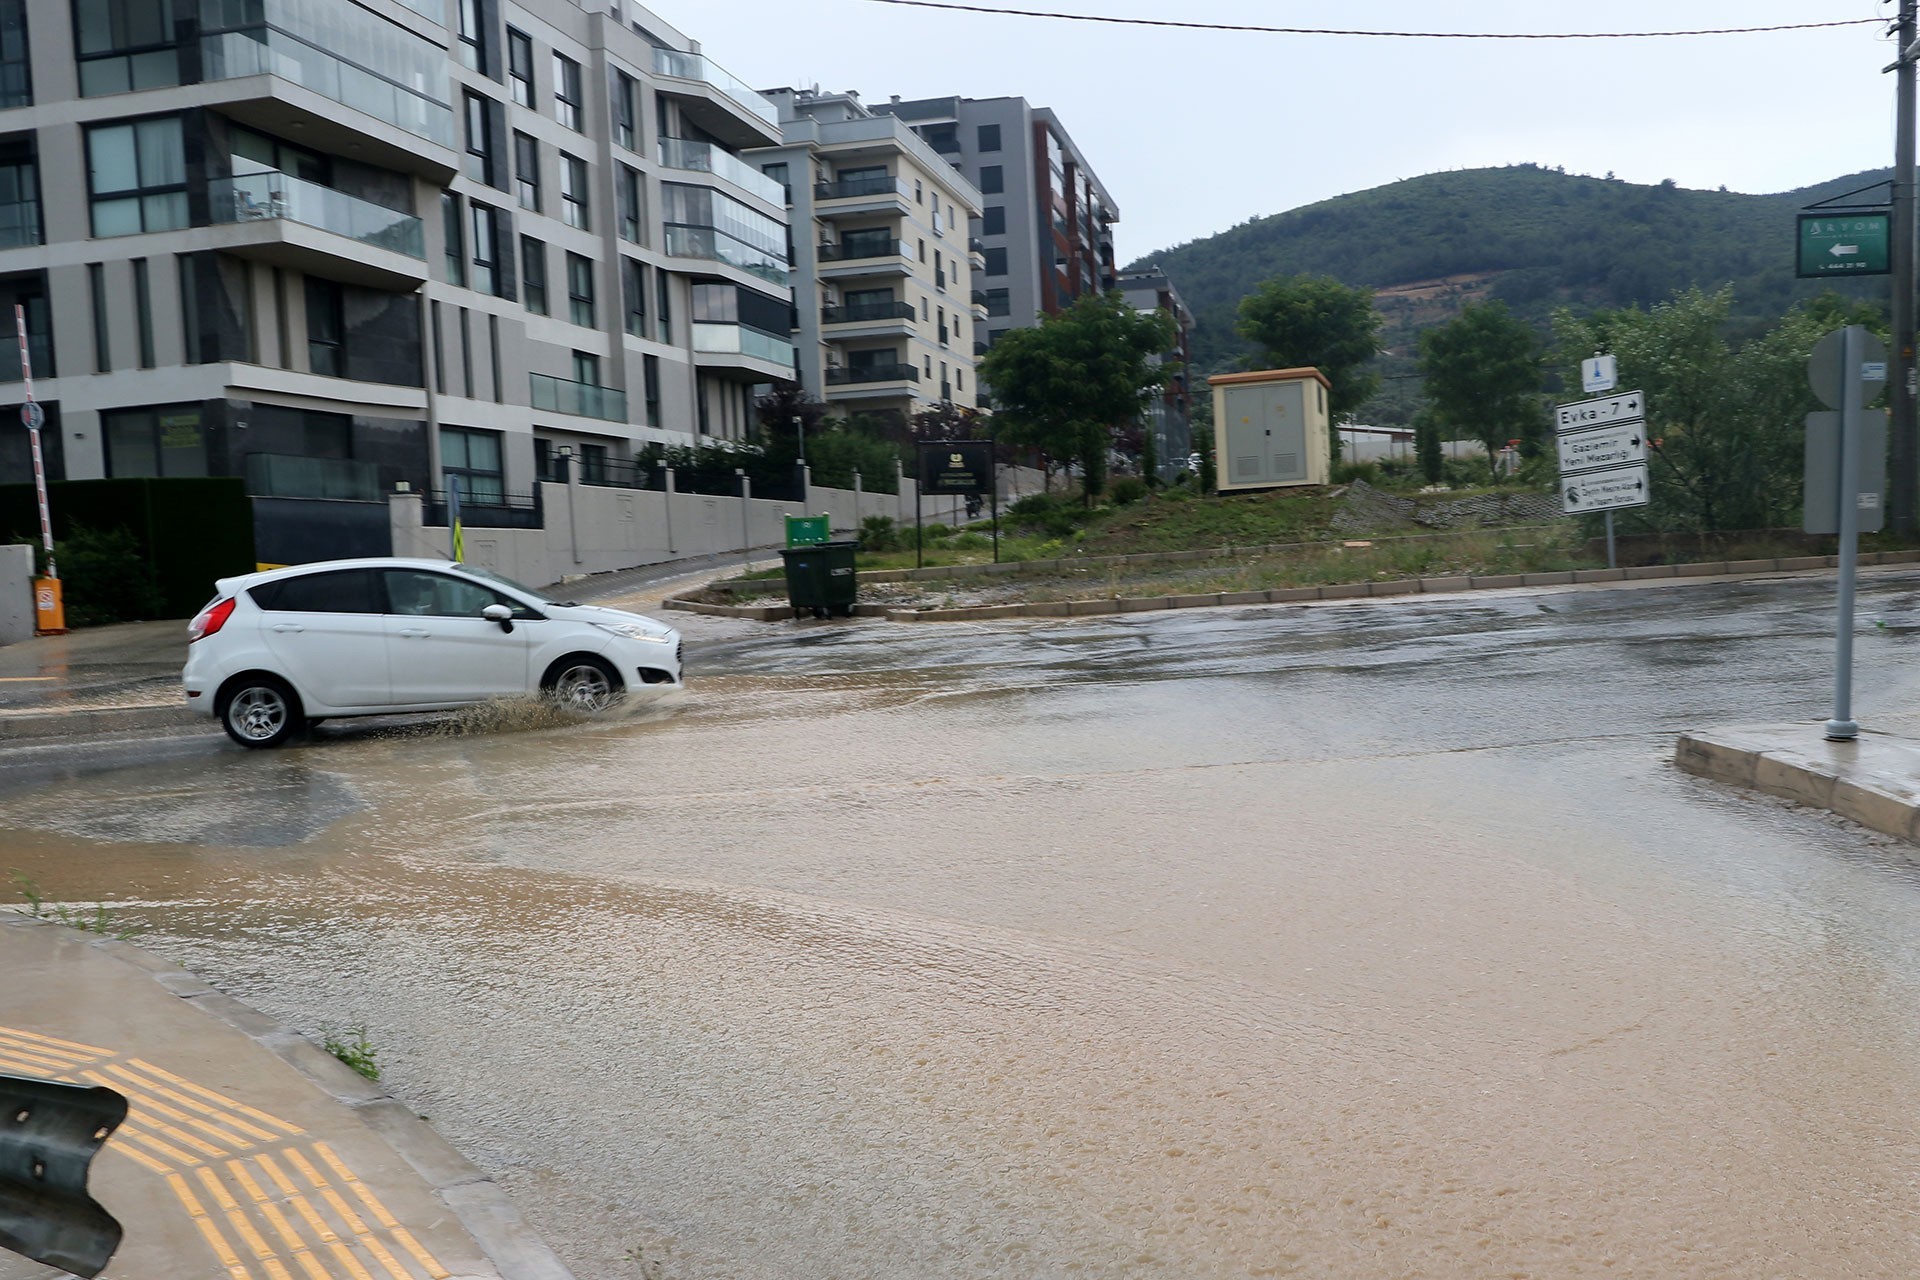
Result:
<point x="820" y="579"/>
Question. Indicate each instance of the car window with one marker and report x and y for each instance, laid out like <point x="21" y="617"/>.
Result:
<point x="435" y="595"/>
<point x="336" y="591"/>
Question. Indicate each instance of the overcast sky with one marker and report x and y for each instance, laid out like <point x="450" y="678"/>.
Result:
<point x="1195" y="131"/>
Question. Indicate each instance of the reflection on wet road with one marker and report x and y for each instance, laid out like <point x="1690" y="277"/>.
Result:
<point x="1360" y="940"/>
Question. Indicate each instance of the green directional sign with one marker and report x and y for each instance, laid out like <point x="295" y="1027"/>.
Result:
<point x="1847" y="244"/>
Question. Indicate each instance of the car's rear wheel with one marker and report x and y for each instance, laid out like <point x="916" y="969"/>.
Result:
<point x="259" y="711"/>
<point x="582" y="683"/>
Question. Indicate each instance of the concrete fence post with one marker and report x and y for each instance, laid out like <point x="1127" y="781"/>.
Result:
<point x="666" y="496"/>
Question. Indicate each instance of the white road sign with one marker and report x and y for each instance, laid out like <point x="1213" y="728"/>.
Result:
<point x="1613" y="446"/>
<point x="1605" y="490"/>
<point x="1598" y="374"/>
<point x="1601" y="412"/>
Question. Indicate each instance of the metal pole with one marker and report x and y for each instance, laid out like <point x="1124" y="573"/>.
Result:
<point x="1842" y="727"/>
<point x="1903" y="496"/>
<point x="1610" y="559"/>
<point x="993" y="490"/>
<point x="32" y="416"/>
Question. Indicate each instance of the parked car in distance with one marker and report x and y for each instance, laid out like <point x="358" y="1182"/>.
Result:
<point x="274" y="652"/>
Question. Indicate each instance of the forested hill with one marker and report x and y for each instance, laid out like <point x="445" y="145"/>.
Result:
<point x="1537" y="238"/>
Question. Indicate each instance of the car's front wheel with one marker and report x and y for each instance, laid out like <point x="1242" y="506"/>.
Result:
<point x="260" y="711"/>
<point x="582" y="683"/>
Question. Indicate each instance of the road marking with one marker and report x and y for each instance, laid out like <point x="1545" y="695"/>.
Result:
<point x="184" y="1132"/>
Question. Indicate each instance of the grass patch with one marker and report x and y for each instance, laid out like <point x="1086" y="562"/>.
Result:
<point x="352" y="1047"/>
<point x="100" y="920"/>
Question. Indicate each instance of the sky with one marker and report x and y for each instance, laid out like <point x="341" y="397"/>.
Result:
<point x="1194" y="132"/>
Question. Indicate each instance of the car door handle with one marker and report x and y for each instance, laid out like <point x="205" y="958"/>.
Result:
<point x="414" y="632"/>
<point x="288" y="626"/>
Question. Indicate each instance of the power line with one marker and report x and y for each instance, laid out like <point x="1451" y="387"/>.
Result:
<point x="1395" y="35"/>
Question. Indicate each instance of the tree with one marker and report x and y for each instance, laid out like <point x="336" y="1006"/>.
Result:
<point x="1064" y="386"/>
<point x="1317" y="322"/>
<point x="783" y="413"/>
<point x="1428" y="448"/>
<point x="1482" y="372"/>
<point x="1725" y="421"/>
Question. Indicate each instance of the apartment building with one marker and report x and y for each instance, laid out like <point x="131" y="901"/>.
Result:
<point x="1169" y="416"/>
<point x="1046" y="222"/>
<point x="334" y="246"/>
<point x="888" y="316"/>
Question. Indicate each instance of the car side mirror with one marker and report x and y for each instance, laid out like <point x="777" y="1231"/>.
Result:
<point x="499" y="613"/>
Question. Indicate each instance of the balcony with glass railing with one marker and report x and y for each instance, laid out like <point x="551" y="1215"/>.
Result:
<point x="263" y="197"/>
<point x="716" y="246"/>
<point x="738" y="340"/>
<point x="864" y="312"/>
<point x="856" y="250"/>
<point x="858" y="375"/>
<point x="691" y="66"/>
<point x="704" y="157"/>
<point x="858" y="188"/>
<point x="582" y="399"/>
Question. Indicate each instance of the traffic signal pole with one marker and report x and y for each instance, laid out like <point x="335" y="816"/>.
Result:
<point x="1903" y="489"/>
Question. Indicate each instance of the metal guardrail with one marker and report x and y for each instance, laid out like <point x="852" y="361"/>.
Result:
<point x="49" y="1133"/>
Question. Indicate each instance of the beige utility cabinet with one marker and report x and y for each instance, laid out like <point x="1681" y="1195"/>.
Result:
<point x="1270" y="428"/>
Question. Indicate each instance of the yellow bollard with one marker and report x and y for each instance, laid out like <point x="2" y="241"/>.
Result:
<point x="49" y="610"/>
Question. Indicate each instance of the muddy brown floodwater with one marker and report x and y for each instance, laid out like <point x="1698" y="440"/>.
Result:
<point x="1355" y="941"/>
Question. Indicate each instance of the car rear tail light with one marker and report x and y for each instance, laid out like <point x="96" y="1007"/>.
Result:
<point x="210" y="619"/>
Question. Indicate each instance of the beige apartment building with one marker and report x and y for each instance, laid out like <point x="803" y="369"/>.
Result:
<point x="888" y="318"/>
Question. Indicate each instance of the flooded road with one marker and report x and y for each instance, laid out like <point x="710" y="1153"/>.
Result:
<point x="1361" y="940"/>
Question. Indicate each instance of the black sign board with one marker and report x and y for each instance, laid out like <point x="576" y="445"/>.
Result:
<point x="956" y="467"/>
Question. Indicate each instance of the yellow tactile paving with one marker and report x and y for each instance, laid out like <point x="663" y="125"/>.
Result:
<point x="224" y="1162"/>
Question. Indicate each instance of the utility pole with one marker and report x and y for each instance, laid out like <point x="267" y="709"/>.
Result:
<point x="1903" y="496"/>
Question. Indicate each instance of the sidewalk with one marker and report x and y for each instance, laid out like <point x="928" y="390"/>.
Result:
<point x="247" y="1152"/>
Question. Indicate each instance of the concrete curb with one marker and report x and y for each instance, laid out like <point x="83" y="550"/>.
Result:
<point x="1301" y="595"/>
<point x="1873" y="780"/>
<point x="482" y="1208"/>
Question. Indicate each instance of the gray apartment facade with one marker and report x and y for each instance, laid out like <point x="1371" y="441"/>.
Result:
<point x="337" y="246"/>
<point x="1169" y="415"/>
<point x="1046" y="222"/>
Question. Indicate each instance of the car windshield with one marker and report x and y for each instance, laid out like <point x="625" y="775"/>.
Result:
<point x="509" y="583"/>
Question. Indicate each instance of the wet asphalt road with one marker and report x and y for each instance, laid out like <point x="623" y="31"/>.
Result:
<point x="1372" y="939"/>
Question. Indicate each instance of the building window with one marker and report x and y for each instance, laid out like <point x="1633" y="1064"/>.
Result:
<point x="473" y="37"/>
<point x="625" y="92"/>
<point x="167" y="440"/>
<point x="485" y="237"/>
<point x="987" y="138"/>
<point x="628" y="188"/>
<point x="633" y="293"/>
<point x="993" y="220"/>
<point x="533" y="274"/>
<point x="526" y="170"/>
<point x="996" y="261"/>
<point x="143" y="312"/>
<point x="664" y="313"/>
<point x="19" y="204"/>
<point x="998" y="303"/>
<point x="137" y="177"/>
<point x="573" y="191"/>
<point x="473" y="458"/>
<point x="480" y="148"/>
<point x="520" y="66"/>
<point x="16" y="72"/>
<point x="593" y="464"/>
<point x="992" y="179"/>
<point x="778" y="172"/>
<point x="650" y="381"/>
<point x="326" y="328"/>
<point x="102" y="344"/>
<point x="586" y="369"/>
<point x="188" y="276"/>
<point x="456" y="251"/>
<point x="125" y="45"/>
<point x="566" y="91"/>
<point x="580" y="290"/>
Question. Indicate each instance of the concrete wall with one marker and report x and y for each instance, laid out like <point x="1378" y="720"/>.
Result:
<point x="16" y="593"/>
<point x="591" y="529"/>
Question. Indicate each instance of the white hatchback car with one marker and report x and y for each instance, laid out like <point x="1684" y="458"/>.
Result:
<point x="276" y="651"/>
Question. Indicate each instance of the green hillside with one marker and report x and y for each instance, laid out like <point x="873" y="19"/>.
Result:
<point x="1536" y="238"/>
